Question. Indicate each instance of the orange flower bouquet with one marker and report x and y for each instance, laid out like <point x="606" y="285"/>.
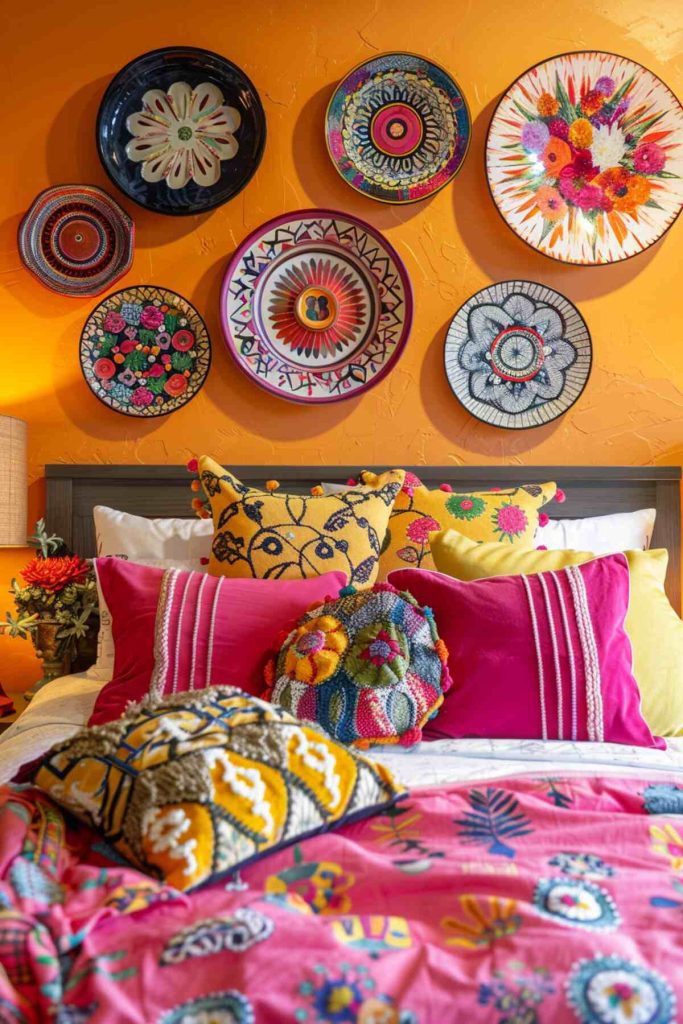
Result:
<point x="58" y="590"/>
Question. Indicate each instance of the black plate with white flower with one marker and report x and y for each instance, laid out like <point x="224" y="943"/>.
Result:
<point x="518" y="354"/>
<point x="181" y="130"/>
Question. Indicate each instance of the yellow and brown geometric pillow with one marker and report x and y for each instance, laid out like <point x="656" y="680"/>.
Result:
<point x="197" y="784"/>
<point x="509" y="515"/>
<point x="270" y="535"/>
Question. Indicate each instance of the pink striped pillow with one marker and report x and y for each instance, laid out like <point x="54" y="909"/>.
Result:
<point x="536" y="657"/>
<point x="176" y="630"/>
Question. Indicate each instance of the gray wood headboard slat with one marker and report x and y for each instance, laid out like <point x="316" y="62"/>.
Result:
<point x="151" y="491"/>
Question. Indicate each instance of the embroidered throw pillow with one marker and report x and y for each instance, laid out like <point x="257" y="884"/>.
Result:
<point x="368" y="667"/>
<point x="655" y="630"/>
<point x="208" y="629"/>
<point x="200" y="784"/>
<point x="543" y="656"/>
<point x="510" y="515"/>
<point x="269" y="535"/>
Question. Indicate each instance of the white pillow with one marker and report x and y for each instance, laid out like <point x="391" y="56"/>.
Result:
<point x="55" y="714"/>
<point x="603" y="535"/>
<point x="168" y="543"/>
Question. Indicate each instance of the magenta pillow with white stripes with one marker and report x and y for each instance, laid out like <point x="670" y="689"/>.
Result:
<point x="176" y="631"/>
<point x="543" y="656"/>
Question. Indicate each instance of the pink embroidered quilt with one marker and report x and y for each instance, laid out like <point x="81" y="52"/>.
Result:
<point x="520" y="901"/>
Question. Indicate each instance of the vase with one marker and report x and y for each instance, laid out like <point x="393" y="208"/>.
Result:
<point x="48" y="649"/>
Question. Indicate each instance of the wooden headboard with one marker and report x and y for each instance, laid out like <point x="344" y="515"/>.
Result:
<point x="157" y="491"/>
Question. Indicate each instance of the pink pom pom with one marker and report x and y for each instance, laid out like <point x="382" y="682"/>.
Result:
<point x="192" y="466"/>
<point x="541" y="547"/>
<point x="543" y="519"/>
<point x="351" y="482"/>
<point x="495" y="490"/>
<point x="446" y="487"/>
<point x="560" y="496"/>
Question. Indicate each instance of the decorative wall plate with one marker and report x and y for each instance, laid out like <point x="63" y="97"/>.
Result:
<point x="585" y="158"/>
<point x="316" y="306"/>
<point x="398" y="128"/>
<point x="518" y="354"/>
<point x="76" y="240"/>
<point x="181" y="130"/>
<point x="145" y="351"/>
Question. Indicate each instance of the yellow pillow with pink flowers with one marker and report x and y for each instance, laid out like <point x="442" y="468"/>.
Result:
<point x="510" y="515"/>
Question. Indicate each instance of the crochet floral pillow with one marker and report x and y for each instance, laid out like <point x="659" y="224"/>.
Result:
<point x="368" y="667"/>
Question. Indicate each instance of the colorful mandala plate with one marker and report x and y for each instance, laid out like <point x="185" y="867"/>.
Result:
<point x="398" y="128"/>
<point x="585" y="158"/>
<point x="145" y="351"/>
<point x="316" y="306"/>
<point x="181" y="130"/>
<point x="518" y="354"/>
<point x="76" y="240"/>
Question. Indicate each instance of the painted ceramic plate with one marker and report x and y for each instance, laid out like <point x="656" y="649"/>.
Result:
<point x="398" y="128"/>
<point x="76" y="240"/>
<point x="316" y="306"/>
<point x="518" y="354"/>
<point x="585" y="158"/>
<point x="181" y="130"/>
<point x="145" y="351"/>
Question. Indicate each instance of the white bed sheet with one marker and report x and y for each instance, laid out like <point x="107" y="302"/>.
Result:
<point x="63" y="707"/>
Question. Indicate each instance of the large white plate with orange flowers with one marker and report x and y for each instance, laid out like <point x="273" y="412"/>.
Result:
<point x="584" y="158"/>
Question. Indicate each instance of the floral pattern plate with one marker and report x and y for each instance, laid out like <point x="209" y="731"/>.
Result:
<point x="145" y="351"/>
<point x="181" y="130"/>
<point x="316" y="306"/>
<point x="585" y="158"/>
<point x="518" y="354"/>
<point x="398" y="128"/>
<point x="76" y="240"/>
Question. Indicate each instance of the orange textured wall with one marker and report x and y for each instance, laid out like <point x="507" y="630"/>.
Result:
<point x="58" y="56"/>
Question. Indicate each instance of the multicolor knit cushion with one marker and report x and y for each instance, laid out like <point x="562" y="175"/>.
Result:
<point x="199" y="784"/>
<point x="369" y="667"/>
<point x="510" y="515"/>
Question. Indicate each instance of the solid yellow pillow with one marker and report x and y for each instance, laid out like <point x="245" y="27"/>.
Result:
<point x="655" y="629"/>
<point x="268" y="535"/>
<point x="509" y="515"/>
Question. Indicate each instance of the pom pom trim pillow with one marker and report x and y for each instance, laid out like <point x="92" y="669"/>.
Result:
<point x="201" y="784"/>
<point x="510" y="516"/>
<point x="188" y="630"/>
<point x="368" y="667"/>
<point x="268" y="535"/>
<point x="543" y="656"/>
<point x="655" y="629"/>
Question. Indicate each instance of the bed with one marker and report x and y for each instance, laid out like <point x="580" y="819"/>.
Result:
<point x="518" y="882"/>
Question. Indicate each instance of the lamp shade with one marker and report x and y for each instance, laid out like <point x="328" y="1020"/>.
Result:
<point x="13" y="482"/>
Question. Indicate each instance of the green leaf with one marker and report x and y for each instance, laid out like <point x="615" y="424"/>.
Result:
<point x="566" y="111"/>
<point x="525" y="113"/>
<point x="653" y="205"/>
<point x="156" y="384"/>
<point x="665" y="174"/>
<point x="181" y="361"/>
<point x="618" y="95"/>
<point x="135" y="360"/>
<point x="644" y="128"/>
<point x="547" y="228"/>
<point x="147" y="337"/>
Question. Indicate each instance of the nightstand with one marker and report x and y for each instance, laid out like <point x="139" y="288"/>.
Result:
<point x="19" y="705"/>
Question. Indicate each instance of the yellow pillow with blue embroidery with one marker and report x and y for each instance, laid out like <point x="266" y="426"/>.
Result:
<point x="199" y="784"/>
<point x="510" y="515"/>
<point x="267" y="535"/>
